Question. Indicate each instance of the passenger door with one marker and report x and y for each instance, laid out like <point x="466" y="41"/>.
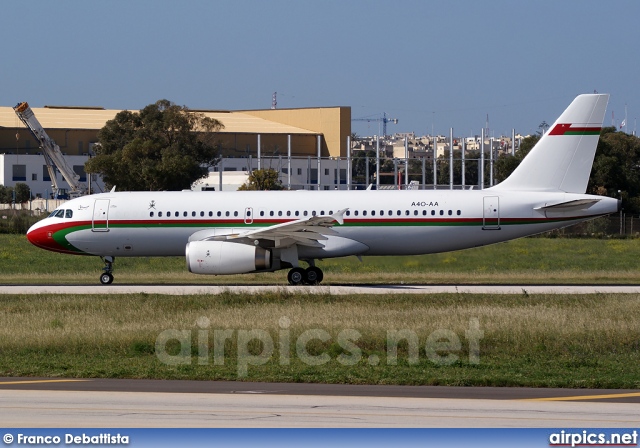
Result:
<point x="491" y="213"/>
<point x="100" y="221"/>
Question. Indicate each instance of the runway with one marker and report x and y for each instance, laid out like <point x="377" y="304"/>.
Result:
<point x="329" y="289"/>
<point x="32" y="402"/>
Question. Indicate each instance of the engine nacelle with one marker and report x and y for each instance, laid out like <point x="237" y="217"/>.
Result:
<point x="223" y="257"/>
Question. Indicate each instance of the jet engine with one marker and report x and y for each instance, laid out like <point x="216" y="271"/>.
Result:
<point x="223" y="257"/>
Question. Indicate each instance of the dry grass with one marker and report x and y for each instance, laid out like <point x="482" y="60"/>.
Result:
<point x="537" y="340"/>
<point x="36" y="321"/>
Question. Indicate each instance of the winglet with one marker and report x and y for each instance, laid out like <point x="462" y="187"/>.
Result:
<point x="339" y="216"/>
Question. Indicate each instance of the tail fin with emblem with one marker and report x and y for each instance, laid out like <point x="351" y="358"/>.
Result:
<point x="563" y="157"/>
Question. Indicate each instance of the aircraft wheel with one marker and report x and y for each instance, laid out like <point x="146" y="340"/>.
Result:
<point x="296" y="276"/>
<point x="106" y="279"/>
<point x="313" y="275"/>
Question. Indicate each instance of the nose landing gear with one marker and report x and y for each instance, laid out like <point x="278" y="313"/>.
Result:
<point x="106" y="278"/>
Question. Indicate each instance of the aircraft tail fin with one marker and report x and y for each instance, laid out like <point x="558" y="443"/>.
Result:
<point x="563" y="157"/>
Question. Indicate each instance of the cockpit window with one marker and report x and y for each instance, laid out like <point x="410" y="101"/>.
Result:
<point x="68" y="213"/>
<point x="57" y="214"/>
<point x="53" y="213"/>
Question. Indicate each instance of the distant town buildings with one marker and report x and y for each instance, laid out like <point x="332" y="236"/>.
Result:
<point x="426" y="146"/>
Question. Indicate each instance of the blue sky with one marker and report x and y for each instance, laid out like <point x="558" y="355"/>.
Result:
<point x="430" y="64"/>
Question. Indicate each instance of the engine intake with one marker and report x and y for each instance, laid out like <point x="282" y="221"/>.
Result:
<point x="223" y="257"/>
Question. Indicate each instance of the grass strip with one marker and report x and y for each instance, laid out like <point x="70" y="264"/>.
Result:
<point x="528" y="340"/>
<point x="528" y="260"/>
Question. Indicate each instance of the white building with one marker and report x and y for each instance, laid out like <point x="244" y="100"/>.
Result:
<point x="31" y="169"/>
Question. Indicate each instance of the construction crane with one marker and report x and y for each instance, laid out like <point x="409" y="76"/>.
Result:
<point x="52" y="154"/>
<point x="384" y="120"/>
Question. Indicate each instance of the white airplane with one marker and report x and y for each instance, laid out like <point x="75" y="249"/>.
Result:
<point x="242" y="232"/>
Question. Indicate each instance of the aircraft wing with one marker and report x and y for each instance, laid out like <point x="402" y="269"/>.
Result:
<point x="304" y="232"/>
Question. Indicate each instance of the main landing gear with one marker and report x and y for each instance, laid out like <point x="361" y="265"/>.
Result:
<point x="106" y="278"/>
<point x="311" y="276"/>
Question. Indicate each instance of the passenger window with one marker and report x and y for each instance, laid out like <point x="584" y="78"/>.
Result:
<point x="261" y="213"/>
<point x="226" y="213"/>
<point x="68" y="213"/>
<point x="406" y="212"/>
<point x="288" y="212"/>
<point x="297" y="213"/>
<point x="348" y="213"/>
<point x="364" y="213"/>
<point x="280" y="213"/>
<point x="168" y="214"/>
<point x="373" y="213"/>
<point x="450" y="213"/>
<point x="271" y="213"/>
<point x="399" y="212"/>
<point x="193" y="213"/>
<point x="151" y="214"/>
<point x="355" y="213"/>
<point x="441" y="212"/>
<point x="210" y="214"/>
<point x="184" y="214"/>
<point x="459" y="213"/>
<point x="424" y="213"/>
<point x="235" y="213"/>
<point x="219" y="214"/>
<point x="305" y="213"/>
<point x="313" y="213"/>
<point x="159" y="214"/>
<point x="322" y="212"/>
<point x="433" y="212"/>
<point x="381" y="212"/>
<point x="390" y="212"/>
<point x="415" y="213"/>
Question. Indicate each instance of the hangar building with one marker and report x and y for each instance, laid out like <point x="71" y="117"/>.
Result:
<point x="75" y="131"/>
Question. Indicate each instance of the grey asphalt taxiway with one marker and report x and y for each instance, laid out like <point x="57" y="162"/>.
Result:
<point x="48" y="402"/>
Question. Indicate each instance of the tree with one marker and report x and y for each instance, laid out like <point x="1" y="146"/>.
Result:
<point x="616" y="168"/>
<point x="23" y="192"/>
<point x="266" y="179"/>
<point x="359" y="162"/>
<point x="471" y="166"/>
<point x="162" y="147"/>
<point x="542" y="128"/>
<point x="6" y="195"/>
<point x="355" y="140"/>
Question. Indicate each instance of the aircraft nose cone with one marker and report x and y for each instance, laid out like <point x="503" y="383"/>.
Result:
<point x="41" y="237"/>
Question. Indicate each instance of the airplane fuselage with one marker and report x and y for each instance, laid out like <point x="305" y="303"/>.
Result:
<point x="151" y="224"/>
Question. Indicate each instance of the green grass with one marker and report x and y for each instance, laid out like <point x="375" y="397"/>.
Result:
<point x="528" y="260"/>
<point x="528" y="340"/>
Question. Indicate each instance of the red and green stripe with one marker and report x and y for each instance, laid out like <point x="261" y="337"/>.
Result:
<point x="570" y="129"/>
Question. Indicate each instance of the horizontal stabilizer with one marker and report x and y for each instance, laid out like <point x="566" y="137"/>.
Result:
<point x="578" y="204"/>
